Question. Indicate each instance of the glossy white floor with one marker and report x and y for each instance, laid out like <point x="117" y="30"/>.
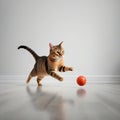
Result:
<point x="58" y="101"/>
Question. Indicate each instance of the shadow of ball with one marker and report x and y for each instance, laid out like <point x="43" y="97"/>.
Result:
<point x="81" y="92"/>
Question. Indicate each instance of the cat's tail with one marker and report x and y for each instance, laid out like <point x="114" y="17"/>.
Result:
<point x="30" y="50"/>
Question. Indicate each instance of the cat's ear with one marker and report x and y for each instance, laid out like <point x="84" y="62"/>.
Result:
<point x="51" y="46"/>
<point x="60" y="43"/>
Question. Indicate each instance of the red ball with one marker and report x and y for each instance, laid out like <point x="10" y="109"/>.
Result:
<point x="81" y="80"/>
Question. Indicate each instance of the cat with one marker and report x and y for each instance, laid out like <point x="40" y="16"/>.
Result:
<point x="48" y="65"/>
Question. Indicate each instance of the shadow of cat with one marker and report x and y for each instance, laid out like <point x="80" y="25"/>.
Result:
<point x="48" y="102"/>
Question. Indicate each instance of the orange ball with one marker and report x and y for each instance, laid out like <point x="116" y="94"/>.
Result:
<point x="81" y="80"/>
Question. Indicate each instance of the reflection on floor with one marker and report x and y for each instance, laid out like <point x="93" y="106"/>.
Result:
<point x="59" y="101"/>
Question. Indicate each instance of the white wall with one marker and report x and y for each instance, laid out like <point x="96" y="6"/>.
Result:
<point x="90" y="30"/>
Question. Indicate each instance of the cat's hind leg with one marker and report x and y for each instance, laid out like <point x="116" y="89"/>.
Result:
<point x="29" y="78"/>
<point x="39" y="78"/>
<point x="32" y="74"/>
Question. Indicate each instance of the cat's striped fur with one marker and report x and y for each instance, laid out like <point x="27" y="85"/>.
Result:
<point x="48" y="65"/>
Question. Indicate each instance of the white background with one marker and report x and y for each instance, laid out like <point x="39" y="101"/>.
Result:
<point x="90" y="30"/>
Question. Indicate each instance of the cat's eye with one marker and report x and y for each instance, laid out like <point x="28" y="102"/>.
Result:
<point x="58" y="53"/>
<point x="62" y="51"/>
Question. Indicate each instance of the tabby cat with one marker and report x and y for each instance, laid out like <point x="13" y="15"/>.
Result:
<point x="48" y="65"/>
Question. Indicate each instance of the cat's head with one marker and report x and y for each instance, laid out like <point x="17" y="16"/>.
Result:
<point x="56" y="51"/>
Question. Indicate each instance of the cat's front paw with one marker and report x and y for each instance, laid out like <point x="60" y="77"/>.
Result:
<point x="60" y="79"/>
<point x="70" y="69"/>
